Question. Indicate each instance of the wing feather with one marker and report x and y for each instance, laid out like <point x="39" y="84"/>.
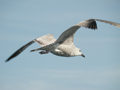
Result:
<point x="20" y="50"/>
<point x="109" y="22"/>
<point x="67" y="36"/>
<point x="45" y="40"/>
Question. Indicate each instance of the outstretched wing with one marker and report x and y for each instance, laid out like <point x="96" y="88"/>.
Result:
<point x="109" y="22"/>
<point x="68" y="35"/>
<point x="43" y="41"/>
<point x="20" y="50"/>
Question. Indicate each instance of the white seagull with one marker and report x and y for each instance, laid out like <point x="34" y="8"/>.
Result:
<point x="64" y="45"/>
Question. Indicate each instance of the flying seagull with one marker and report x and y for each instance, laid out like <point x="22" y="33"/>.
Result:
<point x="64" y="45"/>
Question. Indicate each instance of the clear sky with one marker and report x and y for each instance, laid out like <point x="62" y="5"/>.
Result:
<point x="24" y="20"/>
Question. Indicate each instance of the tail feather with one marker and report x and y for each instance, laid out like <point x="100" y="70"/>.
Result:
<point x="47" y="47"/>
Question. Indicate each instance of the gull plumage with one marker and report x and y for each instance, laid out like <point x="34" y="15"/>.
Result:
<point x="64" y="45"/>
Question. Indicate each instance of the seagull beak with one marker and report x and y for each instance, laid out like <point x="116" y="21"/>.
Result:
<point x="83" y="55"/>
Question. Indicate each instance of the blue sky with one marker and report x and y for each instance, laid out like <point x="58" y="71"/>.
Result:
<point x="24" y="20"/>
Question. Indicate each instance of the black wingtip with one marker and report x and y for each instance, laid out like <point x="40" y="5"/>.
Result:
<point x="92" y="24"/>
<point x="19" y="50"/>
<point x="7" y="60"/>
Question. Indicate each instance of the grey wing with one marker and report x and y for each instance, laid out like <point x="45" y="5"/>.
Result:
<point x="86" y="23"/>
<point x="68" y="35"/>
<point x="109" y="22"/>
<point x="44" y="40"/>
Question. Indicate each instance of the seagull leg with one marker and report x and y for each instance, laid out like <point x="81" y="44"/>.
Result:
<point x="44" y="52"/>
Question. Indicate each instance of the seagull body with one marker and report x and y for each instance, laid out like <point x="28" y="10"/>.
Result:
<point x="66" y="50"/>
<point x="64" y="45"/>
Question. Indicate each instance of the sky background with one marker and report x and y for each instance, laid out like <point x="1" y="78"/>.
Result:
<point x="24" y="20"/>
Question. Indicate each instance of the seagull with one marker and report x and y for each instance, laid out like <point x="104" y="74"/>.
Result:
<point x="64" y="45"/>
